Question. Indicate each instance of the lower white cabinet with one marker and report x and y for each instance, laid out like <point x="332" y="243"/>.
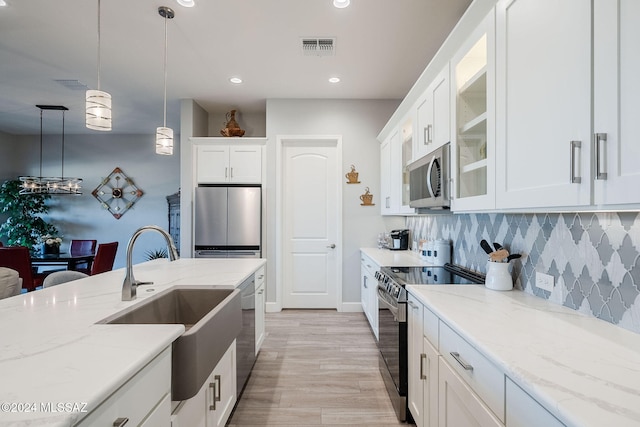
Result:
<point x="459" y="406"/>
<point x="524" y="411"/>
<point x="368" y="291"/>
<point x="260" y="308"/>
<point x="143" y="400"/>
<point x="214" y="402"/>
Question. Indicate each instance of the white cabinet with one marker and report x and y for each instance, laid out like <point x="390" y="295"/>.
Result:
<point x="260" y="308"/>
<point x="213" y="404"/>
<point x="525" y="411"/>
<point x="543" y="57"/>
<point x="386" y="198"/>
<point x="459" y="406"/>
<point x="144" y="397"/>
<point x="216" y="163"/>
<point x="422" y="332"/>
<point x="394" y="182"/>
<point x="415" y="376"/>
<point x="616" y="108"/>
<point x="368" y="291"/>
<point x="434" y="116"/>
<point x="473" y="148"/>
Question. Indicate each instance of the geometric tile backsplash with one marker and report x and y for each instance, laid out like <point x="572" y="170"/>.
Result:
<point x="594" y="257"/>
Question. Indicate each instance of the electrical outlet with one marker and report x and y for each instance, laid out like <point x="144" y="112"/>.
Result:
<point x="544" y="281"/>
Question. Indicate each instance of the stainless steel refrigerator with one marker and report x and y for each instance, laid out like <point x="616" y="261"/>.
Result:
<point x="228" y="221"/>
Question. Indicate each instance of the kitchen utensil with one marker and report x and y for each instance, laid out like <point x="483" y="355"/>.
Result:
<point x="498" y="256"/>
<point x="498" y="246"/>
<point x="513" y="256"/>
<point x="485" y="245"/>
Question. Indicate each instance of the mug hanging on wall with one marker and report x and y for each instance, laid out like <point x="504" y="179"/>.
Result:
<point x="366" y="198"/>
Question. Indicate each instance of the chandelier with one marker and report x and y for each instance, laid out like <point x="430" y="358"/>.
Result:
<point x="46" y="184"/>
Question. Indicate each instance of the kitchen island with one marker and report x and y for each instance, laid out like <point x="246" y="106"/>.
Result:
<point x="57" y="365"/>
<point x="525" y="358"/>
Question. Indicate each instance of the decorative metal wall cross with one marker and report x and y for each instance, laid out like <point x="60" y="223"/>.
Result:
<point x="117" y="193"/>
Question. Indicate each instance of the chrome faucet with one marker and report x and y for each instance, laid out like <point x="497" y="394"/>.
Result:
<point x="130" y="283"/>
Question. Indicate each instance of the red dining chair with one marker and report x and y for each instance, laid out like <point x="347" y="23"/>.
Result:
<point x="79" y="246"/>
<point x="19" y="259"/>
<point x="105" y="257"/>
<point x="82" y="246"/>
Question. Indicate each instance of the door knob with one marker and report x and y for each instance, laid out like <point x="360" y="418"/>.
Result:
<point x="332" y="246"/>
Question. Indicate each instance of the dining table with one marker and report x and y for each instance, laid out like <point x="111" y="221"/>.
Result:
<point x="70" y="260"/>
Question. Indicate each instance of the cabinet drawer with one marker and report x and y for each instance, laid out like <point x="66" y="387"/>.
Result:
<point x="259" y="275"/>
<point x="369" y="264"/>
<point x="430" y="327"/>
<point x="138" y="397"/>
<point x="475" y="369"/>
<point x="524" y="411"/>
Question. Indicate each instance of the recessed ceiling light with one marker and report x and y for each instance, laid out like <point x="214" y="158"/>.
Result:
<point x="186" y="3"/>
<point x="341" y="4"/>
<point x="235" y="80"/>
<point x="334" y="80"/>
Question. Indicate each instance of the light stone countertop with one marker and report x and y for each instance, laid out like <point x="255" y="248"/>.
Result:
<point x="52" y="350"/>
<point x="388" y="258"/>
<point x="584" y="370"/>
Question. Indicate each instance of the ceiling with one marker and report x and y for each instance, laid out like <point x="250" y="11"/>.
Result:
<point x="381" y="48"/>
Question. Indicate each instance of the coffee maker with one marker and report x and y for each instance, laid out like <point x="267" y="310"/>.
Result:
<point x="399" y="240"/>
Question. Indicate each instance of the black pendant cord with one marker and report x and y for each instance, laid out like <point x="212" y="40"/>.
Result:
<point x="40" y="143"/>
<point x="62" y="163"/>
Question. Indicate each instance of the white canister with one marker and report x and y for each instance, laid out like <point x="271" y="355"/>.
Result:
<point x="441" y="252"/>
<point x="423" y="251"/>
<point x="430" y="245"/>
<point x="498" y="276"/>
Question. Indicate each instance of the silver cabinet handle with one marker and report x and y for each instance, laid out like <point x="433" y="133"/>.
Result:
<point x="600" y="139"/>
<point x="427" y="135"/>
<point x="231" y="169"/>
<point x="212" y="386"/>
<point x="226" y="171"/>
<point x="387" y="202"/>
<point x="217" y="379"/>
<point x="462" y="363"/>
<point x="423" y="357"/>
<point x="119" y="422"/>
<point x="261" y="292"/>
<point x="413" y="306"/>
<point x="332" y="246"/>
<point x="573" y="145"/>
<point x="364" y="283"/>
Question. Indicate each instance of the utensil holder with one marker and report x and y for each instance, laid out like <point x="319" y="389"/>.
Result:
<point x="498" y="276"/>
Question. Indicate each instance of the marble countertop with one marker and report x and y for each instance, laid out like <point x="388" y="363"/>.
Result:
<point x="584" y="370"/>
<point x="388" y="258"/>
<point x="52" y="350"/>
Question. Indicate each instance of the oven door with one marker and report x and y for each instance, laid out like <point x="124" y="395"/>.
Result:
<point x="392" y="344"/>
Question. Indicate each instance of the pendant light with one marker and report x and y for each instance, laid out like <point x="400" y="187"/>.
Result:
<point x="98" y="103"/>
<point x="164" y="135"/>
<point x="51" y="185"/>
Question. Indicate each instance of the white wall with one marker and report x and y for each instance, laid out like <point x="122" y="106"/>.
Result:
<point x="93" y="157"/>
<point x="359" y="122"/>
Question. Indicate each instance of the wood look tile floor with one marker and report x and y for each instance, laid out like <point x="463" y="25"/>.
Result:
<point x="315" y="368"/>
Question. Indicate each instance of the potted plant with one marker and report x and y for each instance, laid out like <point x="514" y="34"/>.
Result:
<point x="24" y="226"/>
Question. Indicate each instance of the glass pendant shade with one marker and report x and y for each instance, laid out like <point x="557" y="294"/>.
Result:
<point x="98" y="110"/>
<point x="164" y="141"/>
<point x="341" y="4"/>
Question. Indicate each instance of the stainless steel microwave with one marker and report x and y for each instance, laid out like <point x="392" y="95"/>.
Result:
<point x="429" y="180"/>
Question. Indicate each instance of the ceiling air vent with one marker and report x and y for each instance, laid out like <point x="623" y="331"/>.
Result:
<point x="72" y="84"/>
<point x="315" y="46"/>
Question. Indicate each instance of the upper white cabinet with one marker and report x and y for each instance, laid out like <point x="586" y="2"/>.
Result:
<point x="433" y="129"/>
<point x="616" y="108"/>
<point x="219" y="163"/>
<point x="395" y="154"/>
<point x="473" y="148"/>
<point x="543" y="103"/>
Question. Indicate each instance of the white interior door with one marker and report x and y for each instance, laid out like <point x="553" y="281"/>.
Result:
<point x="310" y="224"/>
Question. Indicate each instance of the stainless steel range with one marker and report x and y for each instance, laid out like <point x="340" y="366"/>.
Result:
<point x="392" y="321"/>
